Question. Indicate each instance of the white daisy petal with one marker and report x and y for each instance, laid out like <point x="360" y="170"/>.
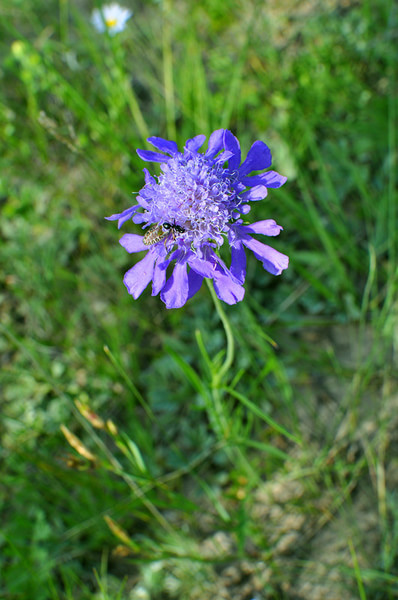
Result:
<point x="111" y="18"/>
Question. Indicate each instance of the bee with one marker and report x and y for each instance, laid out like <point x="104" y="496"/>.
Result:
<point x="158" y="232"/>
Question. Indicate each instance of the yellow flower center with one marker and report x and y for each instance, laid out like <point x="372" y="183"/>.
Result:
<point x="110" y="22"/>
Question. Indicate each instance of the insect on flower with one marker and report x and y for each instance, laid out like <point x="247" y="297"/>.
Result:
<point x="197" y="204"/>
<point x="158" y="232"/>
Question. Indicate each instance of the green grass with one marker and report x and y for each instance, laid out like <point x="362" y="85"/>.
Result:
<point x="237" y="452"/>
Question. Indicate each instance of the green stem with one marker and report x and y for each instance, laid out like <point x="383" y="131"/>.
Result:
<point x="136" y="113"/>
<point x="229" y="357"/>
<point x="221" y="419"/>
<point x="125" y="86"/>
<point x="63" y="20"/>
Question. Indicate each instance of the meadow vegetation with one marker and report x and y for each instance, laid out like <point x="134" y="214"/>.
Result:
<point x="140" y="458"/>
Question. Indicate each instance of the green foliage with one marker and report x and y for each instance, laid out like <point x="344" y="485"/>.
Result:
<point x="211" y="451"/>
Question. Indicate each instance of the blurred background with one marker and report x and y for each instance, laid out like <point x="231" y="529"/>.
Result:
<point x="126" y="472"/>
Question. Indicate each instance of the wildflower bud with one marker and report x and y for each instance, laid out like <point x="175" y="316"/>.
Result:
<point x="117" y="530"/>
<point x="74" y="441"/>
<point x="91" y="416"/>
<point x="18" y="49"/>
<point x="111" y="427"/>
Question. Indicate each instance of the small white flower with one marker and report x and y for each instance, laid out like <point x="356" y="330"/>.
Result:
<point x="111" y="18"/>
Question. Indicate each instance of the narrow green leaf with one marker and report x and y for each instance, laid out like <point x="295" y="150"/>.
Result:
<point x="190" y="374"/>
<point x="257" y="411"/>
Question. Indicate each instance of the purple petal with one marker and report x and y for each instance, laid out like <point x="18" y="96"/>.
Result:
<point x="216" y="143"/>
<point x="258" y="192"/>
<point x="195" y="143"/>
<point x="123" y="216"/>
<point x="116" y="216"/>
<point x="177" y="254"/>
<point x="221" y="267"/>
<point x="231" y="143"/>
<point x="151" y="156"/>
<point x="163" y="145"/>
<point x="238" y="262"/>
<point x="143" y="202"/>
<point x="175" y="291"/>
<point x="209" y="265"/>
<point x="205" y="268"/>
<point x="139" y="218"/>
<point x="138" y="277"/>
<point x="149" y="180"/>
<point x="223" y="157"/>
<point x="273" y="261"/>
<point x="194" y="283"/>
<point x="266" y="227"/>
<point x="270" y="179"/>
<point x="133" y="242"/>
<point x="159" y="276"/>
<point x="227" y="290"/>
<point x="258" y="158"/>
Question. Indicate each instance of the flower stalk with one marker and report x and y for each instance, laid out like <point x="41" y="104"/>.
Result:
<point x="229" y="355"/>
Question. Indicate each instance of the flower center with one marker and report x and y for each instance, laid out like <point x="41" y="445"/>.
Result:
<point x="196" y="196"/>
<point x="110" y="22"/>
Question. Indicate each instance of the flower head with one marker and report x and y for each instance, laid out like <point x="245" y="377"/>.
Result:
<point x="191" y="209"/>
<point x="111" y="18"/>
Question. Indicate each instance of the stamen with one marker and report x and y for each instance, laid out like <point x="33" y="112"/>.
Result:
<point x="201" y="197"/>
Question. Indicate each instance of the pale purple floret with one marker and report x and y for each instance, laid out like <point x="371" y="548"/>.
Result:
<point x="201" y="198"/>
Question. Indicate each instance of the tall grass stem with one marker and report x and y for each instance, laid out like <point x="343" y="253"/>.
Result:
<point x="168" y="71"/>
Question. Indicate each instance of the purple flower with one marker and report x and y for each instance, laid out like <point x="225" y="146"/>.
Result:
<point x="191" y="209"/>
